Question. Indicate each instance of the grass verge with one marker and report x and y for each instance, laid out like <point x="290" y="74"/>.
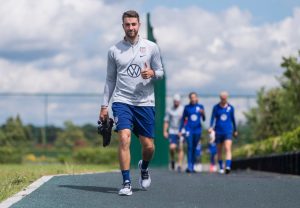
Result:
<point x="15" y="177"/>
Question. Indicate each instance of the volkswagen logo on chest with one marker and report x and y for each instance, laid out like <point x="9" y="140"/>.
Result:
<point x="134" y="70"/>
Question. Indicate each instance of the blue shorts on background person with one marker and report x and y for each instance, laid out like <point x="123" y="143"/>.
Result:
<point x="220" y="138"/>
<point x="174" y="139"/>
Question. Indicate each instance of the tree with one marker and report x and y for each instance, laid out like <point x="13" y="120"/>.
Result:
<point x="278" y="109"/>
<point x="15" y="133"/>
<point x="3" y="140"/>
<point x="266" y="119"/>
<point x="71" y="137"/>
<point x="90" y="132"/>
<point x="290" y="82"/>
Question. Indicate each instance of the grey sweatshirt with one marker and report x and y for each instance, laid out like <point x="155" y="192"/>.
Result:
<point x="124" y="65"/>
<point x="173" y="117"/>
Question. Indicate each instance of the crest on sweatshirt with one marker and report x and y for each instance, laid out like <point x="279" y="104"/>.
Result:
<point x="224" y="117"/>
<point x="142" y="50"/>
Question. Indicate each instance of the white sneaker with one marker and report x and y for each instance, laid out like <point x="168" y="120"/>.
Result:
<point x="126" y="190"/>
<point x="221" y="171"/>
<point x="144" y="180"/>
<point x="198" y="168"/>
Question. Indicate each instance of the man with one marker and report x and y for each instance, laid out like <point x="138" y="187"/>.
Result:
<point x="132" y="67"/>
<point x="171" y="126"/>
<point x="193" y="113"/>
<point x="223" y="123"/>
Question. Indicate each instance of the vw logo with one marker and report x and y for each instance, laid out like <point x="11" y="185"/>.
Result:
<point x="134" y="70"/>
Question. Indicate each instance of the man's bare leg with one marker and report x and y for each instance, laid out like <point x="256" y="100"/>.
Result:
<point x="172" y="155"/>
<point x="124" y="154"/>
<point x="147" y="148"/>
<point x="147" y="154"/>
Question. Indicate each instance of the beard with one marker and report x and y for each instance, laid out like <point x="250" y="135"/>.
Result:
<point x="131" y="33"/>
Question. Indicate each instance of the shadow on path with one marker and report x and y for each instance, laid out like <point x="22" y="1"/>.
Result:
<point x="108" y="190"/>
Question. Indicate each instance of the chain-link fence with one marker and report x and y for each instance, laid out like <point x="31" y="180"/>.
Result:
<point x="54" y="109"/>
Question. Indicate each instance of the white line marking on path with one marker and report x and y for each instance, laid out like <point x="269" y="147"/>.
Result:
<point x="18" y="196"/>
<point x="35" y="185"/>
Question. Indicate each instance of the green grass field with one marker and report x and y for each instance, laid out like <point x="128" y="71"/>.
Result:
<point x="13" y="177"/>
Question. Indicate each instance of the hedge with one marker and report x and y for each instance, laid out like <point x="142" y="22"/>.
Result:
<point x="10" y="155"/>
<point x="287" y="142"/>
<point x="96" y="156"/>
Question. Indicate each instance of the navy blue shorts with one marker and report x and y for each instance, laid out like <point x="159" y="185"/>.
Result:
<point x="140" y="119"/>
<point x="174" y="139"/>
<point x="220" y="138"/>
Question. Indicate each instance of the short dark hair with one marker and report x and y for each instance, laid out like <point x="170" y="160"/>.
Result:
<point x="131" y="13"/>
<point x="192" y="93"/>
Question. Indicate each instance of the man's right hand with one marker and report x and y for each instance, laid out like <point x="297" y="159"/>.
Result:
<point x="210" y="130"/>
<point x="103" y="113"/>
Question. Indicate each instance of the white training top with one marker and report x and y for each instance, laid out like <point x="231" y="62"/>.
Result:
<point x="124" y="82"/>
<point x="173" y="117"/>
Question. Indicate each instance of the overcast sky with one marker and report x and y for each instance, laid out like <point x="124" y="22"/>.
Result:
<point x="207" y="46"/>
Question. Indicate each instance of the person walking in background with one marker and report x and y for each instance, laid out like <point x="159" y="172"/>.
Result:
<point x="133" y="65"/>
<point x="171" y="130"/>
<point x="193" y="114"/>
<point x="223" y="124"/>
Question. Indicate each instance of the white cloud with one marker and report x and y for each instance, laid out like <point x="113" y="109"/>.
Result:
<point x="15" y="77"/>
<point x="257" y="80"/>
<point x="188" y="78"/>
<point x="216" y="46"/>
<point x="212" y="51"/>
<point x="61" y="45"/>
<point x="57" y="45"/>
<point x="29" y="24"/>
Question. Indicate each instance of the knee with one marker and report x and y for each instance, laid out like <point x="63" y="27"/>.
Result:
<point x="227" y="148"/>
<point x="149" y="148"/>
<point x="172" y="147"/>
<point x="124" y="145"/>
<point x="228" y="151"/>
<point x="124" y="142"/>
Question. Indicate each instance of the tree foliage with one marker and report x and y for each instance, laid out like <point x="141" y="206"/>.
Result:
<point x="287" y="142"/>
<point x="13" y="133"/>
<point x="72" y="136"/>
<point x="278" y="109"/>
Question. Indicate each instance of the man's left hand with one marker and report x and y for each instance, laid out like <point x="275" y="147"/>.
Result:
<point x="235" y="134"/>
<point x="147" y="72"/>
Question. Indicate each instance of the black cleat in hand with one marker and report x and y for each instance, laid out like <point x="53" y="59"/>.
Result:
<point x="104" y="128"/>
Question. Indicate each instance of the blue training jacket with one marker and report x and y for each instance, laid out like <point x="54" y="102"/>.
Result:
<point x="193" y="116"/>
<point x="225" y="119"/>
